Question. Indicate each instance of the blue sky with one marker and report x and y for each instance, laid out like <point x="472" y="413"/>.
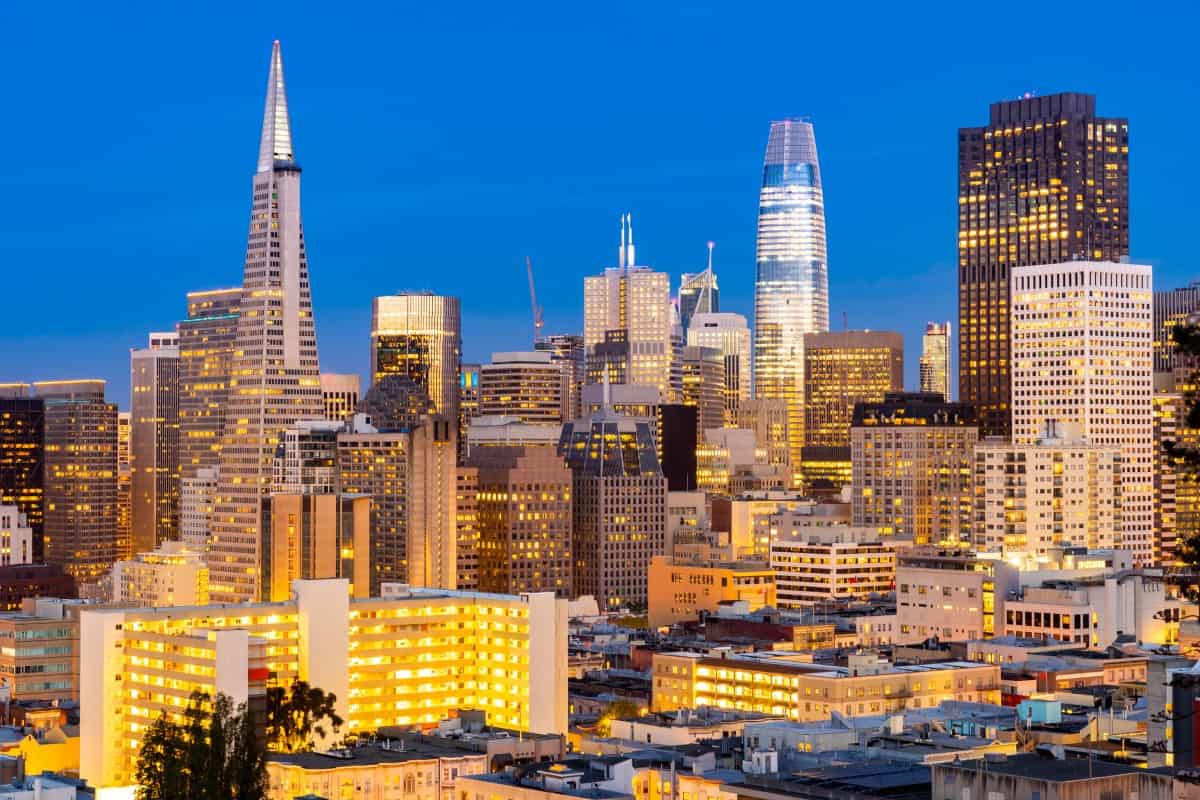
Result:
<point x="442" y="143"/>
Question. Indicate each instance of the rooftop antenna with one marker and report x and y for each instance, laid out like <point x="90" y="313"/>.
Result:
<point x="706" y="287"/>
<point x="537" y="310"/>
<point x="621" y="251"/>
<point x="629" y="262"/>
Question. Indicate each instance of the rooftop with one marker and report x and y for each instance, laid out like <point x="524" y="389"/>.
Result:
<point x="1046" y="768"/>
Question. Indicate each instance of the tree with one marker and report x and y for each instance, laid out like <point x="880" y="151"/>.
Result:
<point x="620" y="708"/>
<point x="297" y="714"/>
<point x="160" y="771"/>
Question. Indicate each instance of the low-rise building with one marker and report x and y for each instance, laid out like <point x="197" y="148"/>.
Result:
<point x="39" y="657"/>
<point x="686" y="726"/>
<point x="951" y="596"/>
<point x="172" y="575"/>
<point x="680" y="589"/>
<point x="816" y="562"/>
<point x="1048" y="776"/>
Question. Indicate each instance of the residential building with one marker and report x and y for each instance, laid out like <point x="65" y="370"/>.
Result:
<point x="16" y="537"/>
<point x="935" y="360"/>
<point x="818" y="560"/>
<point x="748" y="519"/>
<point x="1061" y="491"/>
<point x="730" y="335"/>
<point x="1045" y="181"/>
<point x="954" y="597"/>
<point x="1082" y="349"/>
<point x="411" y="657"/>
<point x="682" y="589"/>
<point x="841" y="369"/>
<point x="305" y="460"/>
<point x="170" y="575"/>
<point x="206" y="343"/>
<point x="275" y="373"/>
<point x="39" y="657"/>
<point x="646" y="776"/>
<point x="340" y="394"/>
<point x="1168" y="410"/>
<point x="791" y="289"/>
<point x="22" y="456"/>
<point x="419" y="335"/>
<point x="568" y="349"/>
<point x="197" y="501"/>
<point x="154" y="455"/>
<point x="81" y="478"/>
<point x="911" y="463"/>
<point x="703" y="387"/>
<point x="531" y="387"/>
<point x="1048" y="776"/>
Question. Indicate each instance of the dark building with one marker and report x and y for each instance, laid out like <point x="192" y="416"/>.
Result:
<point x="568" y="348"/>
<point x="32" y="580"/>
<point x="1045" y="181"/>
<point x="677" y="429"/>
<point x="395" y="403"/>
<point x="22" y="458"/>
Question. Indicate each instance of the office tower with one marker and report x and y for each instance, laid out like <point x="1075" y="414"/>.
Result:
<point x="154" y="441"/>
<point x="171" y="575"/>
<point x="206" y="344"/>
<point x="568" y="350"/>
<point x="619" y="506"/>
<point x="1045" y="181"/>
<point x="911" y="464"/>
<point x="531" y="387"/>
<point x="466" y="509"/>
<point x="769" y="421"/>
<point x="315" y="535"/>
<point x="704" y="386"/>
<point x="275" y="372"/>
<point x="1172" y="308"/>
<point x="124" y="484"/>
<point x="419" y="335"/>
<point x="81" y="478"/>
<point x="841" y="369"/>
<point x="524" y="520"/>
<point x="22" y="457"/>
<point x="818" y="560"/>
<point x="627" y="313"/>
<point x="1095" y="318"/>
<point x="791" y="289"/>
<point x="698" y="293"/>
<point x="327" y="633"/>
<point x="305" y="460"/>
<point x="468" y="404"/>
<point x="197" y="501"/>
<point x="1061" y="491"/>
<point x="395" y="403"/>
<point x="675" y="436"/>
<point x="1169" y="411"/>
<point x="729" y="334"/>
<point x="935" y="359"/>
<point x="340" y="393"/>
<point x="16" y="537"/>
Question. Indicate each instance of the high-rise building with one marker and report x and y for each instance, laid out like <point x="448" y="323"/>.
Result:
<point x="466" y="509"/>
<point x="340" y="393"/>
<point x="468" y="404"/>
<point x="627" y="309"/>
<point x="81" y="478"/>
<point x="841" y="369"/>
<point x="531" y="387"/>
<point x="911" y="463"/>
<point x="395" y="403"/>
<point x="419" y="335"/>
<point x="170" y="575"/>
<point x="276" y="377"/>
<point x="22" y="457"/>
<point x="769" y="421"/>
<point x="1168" y="425"/>
<point x="935" y="359"/>
<point x="698" y="293"/>
<point x="704" y="386"/>
<point x="124" y="484"/>
<point x="1082" y="352"/>
<point x="315" y="535"/>
<point x="524" y="520"/>
<point x="197" y="501"/>
<point x="1045" y="181"/>
<point x="729" y="334"/>
<point x="619" y="506"/>
<point x="154" y="457"/>
<point x="791" y="289"/>
<point x="1172" y="308"/>
<point x="206" y="344"/>
<point x="305" y="460"/>
<point x="568" y="349"/>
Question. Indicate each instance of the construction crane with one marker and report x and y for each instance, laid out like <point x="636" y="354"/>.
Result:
<point x="537" y="310"/>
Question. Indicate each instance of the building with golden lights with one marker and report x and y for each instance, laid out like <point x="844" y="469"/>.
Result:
<point x="817" y="559"/>
<point x="531" y="387"/>
<point x="22" y="457"/>
<point x="340" y="393"/>
<point x="154" y="455"/>
<point x="206" y="345"/>
<point x="170" y="575"/>
<point x="730" y="335"/>
<point x="419" y="335"/>
<point x="681" y="588"/>
<point x="935" y="359"/>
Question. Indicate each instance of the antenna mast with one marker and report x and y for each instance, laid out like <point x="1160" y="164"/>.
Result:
<point x="537" y="310"/>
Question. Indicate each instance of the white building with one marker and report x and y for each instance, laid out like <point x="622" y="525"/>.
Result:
<point x="952" y="597"/>
<point x="729" y="334"/>
<point x="172" y="575"/>
<point x="1082" y="352"/>
<point x="16" y="537"/>
<point x="510" y="432"/>
<point x="197" y="498"/>
<point x="815" y="561"/>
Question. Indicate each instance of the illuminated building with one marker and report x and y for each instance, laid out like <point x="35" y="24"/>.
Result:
<point x="409" y="658"/>
<point x="124" y="485"/>
<point x="809" y="692"/>
<point x="523" y="512"/>
<point x="952" y="597"/>
<point x="510" y="432"/>
<point x="1173" y="308"/>
<point x="38" y="657"/>
<point x="171" y="575"/>
<point x="81" y="478"/>
<point x="842" y="368"/>
<point x="698" y="293"/>
<point x="769" y="421"/>
<point x="749" y="520"/>
<point x="1082" y="351"/>
<point x="619" y="506"/>
<point x="197" y="501"/>
<point x="468" y="404"/>
<point x="935" y="359"/>
<point x="395" y="403"/>
<point x="154" y="442"/>
<point x="22" y="457"/>
<point x="275" y="374"/>
<point x="704" y="386"/>
<point x="1045" y="181"/>
<point x="681" y="588"/>
<point x="419" y="335"/>
<point x="305" y="461"/>
<point x="730" y="335"/>
<point x="568" y="349"/>
<point x="315" y="535"/>
<point x="911" y="462"/>
<point x="791" y="289"/>
<point x="1061" y="491"/>
<point x="466" y="511"/>
<point x="628" y="310"/>
<point x="33" y="580"/>
<point x="817" y="560"/>
<point x="531" y="387"/>
<point x="16" y="537"/>
<point x="610" y="777"/>
<point x="340" y="393"/>
<point x="206" y="344"/>
<point x="1169" y="416"/>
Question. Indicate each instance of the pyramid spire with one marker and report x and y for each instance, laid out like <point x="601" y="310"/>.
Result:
<point x="276" y="143"/>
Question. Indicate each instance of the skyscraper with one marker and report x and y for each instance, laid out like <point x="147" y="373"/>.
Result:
<point x="1045" y="181"/>
<point x="22" y="456"/>
<point x="569" y="349"/>
<point x="154" y="442"/>
<point x="206" y="343"/>
<point x="340" y="393"/>
<point x="729" y="334"/>
<point x="791" y="290"/>
<point x="419" y="335"/>
<point x="529" y="386"/>
<point x="276" y="377"/>
<point x="1172" y="308"/>
<point x="124" y="484"/>
<point x="935" y="359"/>
<point x="698" y="293"/>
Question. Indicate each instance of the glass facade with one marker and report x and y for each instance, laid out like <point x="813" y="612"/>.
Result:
<point x="22" y="461"/>
<point x="419" y="336"/>
<point x="791" y="292"/>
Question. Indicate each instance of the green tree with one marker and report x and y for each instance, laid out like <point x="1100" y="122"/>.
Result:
<point x="296" y="714"/>
<point x="620" y="708"/>
<point x="160" y="772"/>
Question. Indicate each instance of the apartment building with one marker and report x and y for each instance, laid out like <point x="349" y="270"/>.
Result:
<point x="681" y="588"/>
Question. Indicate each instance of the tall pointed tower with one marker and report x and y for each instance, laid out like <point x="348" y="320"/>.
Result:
<point x="275" y="379"/>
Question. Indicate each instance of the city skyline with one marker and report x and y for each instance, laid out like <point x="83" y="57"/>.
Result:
<point x="573" y="241"/>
